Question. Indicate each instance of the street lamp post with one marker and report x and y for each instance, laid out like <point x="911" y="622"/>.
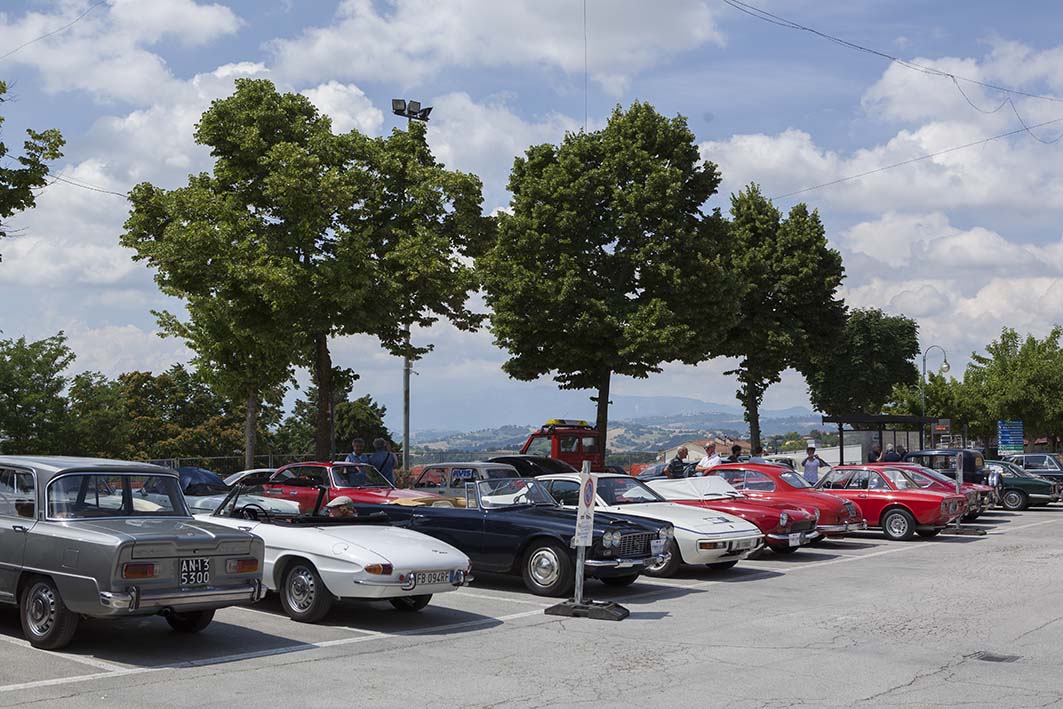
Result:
<point x="411" y="111"/>
<point x="922" y="381"/>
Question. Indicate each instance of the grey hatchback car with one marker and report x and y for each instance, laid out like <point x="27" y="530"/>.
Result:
<point x="77" y="539"/>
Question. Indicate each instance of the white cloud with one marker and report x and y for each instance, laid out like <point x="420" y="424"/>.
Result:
<point x="114" y="349"/>
<point x="347" y="106"/>
<point x="407" y="41"/>
<point x="190" y="22"/>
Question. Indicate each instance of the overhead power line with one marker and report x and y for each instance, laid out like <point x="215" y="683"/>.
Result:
<point x="928" y="156"/>
<point x="55" y="31"/>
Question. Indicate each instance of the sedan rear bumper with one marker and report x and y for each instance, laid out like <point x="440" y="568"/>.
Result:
<point x="133" y="601"/>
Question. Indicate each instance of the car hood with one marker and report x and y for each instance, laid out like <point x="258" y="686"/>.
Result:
<point x="403" y="548"/>
<point x="685" y="517"/>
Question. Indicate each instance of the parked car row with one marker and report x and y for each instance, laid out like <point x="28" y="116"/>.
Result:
<point x="83" y="537"/>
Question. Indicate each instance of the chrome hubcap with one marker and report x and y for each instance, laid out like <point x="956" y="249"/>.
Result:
<point x="1011" y="499"/>
<point x="898" y="526"/>
<point x="41" y="610"/>
<point x="545" y="567"/>
<point x="301" y="588"/>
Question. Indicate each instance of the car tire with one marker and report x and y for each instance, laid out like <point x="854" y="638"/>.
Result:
<point x="547" y="569"/>
<point x="898" y="525"/>
<point x="722" y="565"/>
<point x="928" y="533"/>
<point x="668" y="568"/>
<point x="46" y="621"/>
<point x="410" y="604"/>
<point x="620" y="581"/>
<point x="1015" y="500"/>
<point x="191" y="621"/>
<point x="303" y="594"/>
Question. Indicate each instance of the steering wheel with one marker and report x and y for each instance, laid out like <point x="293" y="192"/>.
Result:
<point x="251" y="511"/>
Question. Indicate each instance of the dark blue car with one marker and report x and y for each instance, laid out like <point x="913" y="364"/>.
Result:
<point x="514" y="526"/>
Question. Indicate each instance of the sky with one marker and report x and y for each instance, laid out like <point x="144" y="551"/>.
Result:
<point x="966" y="242"/>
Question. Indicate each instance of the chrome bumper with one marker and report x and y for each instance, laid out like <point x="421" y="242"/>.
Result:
<point x="626" y="563"/>
<point x="134" y="600"/>
<point x="459" y="578"/>
<point x="842" y="528"/>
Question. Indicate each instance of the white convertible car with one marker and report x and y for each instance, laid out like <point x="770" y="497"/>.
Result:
<point x="702" y="537"/>
<point x="312" y="559"/>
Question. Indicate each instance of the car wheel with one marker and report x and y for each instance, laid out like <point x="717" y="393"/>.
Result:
<point x="669" y="567"/>
<point x="547" y="569"/>
<point x="928" y="533"/>
<point x="620" y="580"/>
<point x="190" y="622"/>
<point x="1015" y="500"/>
<point x="46" y="621"/>
<point x="303" y="593"/>
<point x="898" y="525"/>
<point x="410" y="604"/>
<point x="722" y="565"/>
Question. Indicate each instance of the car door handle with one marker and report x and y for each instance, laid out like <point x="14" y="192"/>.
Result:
<point x="418" y="515"/>
<point x="245" y="529"/>
<point x="862" y="496"/>
<point x="19" y="528"/>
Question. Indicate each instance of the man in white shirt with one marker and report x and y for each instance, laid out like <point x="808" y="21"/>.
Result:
<point x="711" y="459"/>
<point x="812" y="464"/>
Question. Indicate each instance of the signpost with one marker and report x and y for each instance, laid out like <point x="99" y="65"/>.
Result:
<point x="1010" y="438"/>
<point x="577" y="607"/>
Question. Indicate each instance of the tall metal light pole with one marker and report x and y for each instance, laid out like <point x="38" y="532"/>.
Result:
<point x="922" y="381"/>
<point x="411" y="111"/>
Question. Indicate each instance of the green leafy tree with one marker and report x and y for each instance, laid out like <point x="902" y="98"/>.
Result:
<point x="17" y="184"/>
<point x="98" y="424"/>
<point x="32" y="404"/>
<point x="607" y="264"/>
<point x="360" y="418"/>
<point x="857" y="372"/>
<point x="352" y="418"/>
<point x="789" y="307"/>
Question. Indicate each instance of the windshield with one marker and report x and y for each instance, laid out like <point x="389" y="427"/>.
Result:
<point x="795" y="480"/>
<point x="358" y="476"/>
<point x="95" y="495"/>
<point x="900" y="479"/>
<point x="1058" y="458"/>
<point x="513" y="491"/>
<point x="625" y="491"/>
<point x="258" y="502"/>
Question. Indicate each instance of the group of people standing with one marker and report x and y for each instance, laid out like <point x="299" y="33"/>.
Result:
<point x="679" y="468"/>
<point x="890" y="455"/>
<point x="381" y="458"/>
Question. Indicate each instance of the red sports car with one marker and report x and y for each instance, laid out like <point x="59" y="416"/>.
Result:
<point x="892" y="500"/>
<point x="979" y="497"/>
<point x="786" y="527"/>
<point x="777" y="483"/>
<point x="360" y="482"/>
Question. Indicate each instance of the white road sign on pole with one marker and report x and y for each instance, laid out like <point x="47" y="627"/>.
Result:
<point x="585" y="511"/>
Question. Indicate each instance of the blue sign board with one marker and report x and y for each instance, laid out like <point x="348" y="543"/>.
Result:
<point x="1010" y="438"/>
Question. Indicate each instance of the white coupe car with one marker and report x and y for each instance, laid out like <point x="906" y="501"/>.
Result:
<point x="702" y="537"/>
<point x="313" y="559"/>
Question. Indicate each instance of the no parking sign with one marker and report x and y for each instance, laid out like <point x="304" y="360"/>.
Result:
<point x="584" y="536"/>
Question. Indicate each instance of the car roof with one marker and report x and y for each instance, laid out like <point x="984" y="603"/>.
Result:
<point x="51" y="465"/>
<point x="481" y="463"/>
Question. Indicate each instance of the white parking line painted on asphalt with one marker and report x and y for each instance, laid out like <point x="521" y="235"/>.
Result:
<point x="82" y="659"/>
<point x="1023" y="526"/>
<point x="503" y="598"/>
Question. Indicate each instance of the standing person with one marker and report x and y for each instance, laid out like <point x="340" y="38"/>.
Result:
<point x="901" y="450"/>
<point x="677" y="465"/>
<point x="758" y="455"/>
<point x="357" y="454"/>
<point x="875" y="455"/>
<point x="890" y="456"/>
<point x="383" y="459"/>
<point x="710" y="459"/>
<point x="736" y="451"/>
<point x="811" y="464"/>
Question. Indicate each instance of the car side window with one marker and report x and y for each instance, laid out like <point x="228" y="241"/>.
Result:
<point x="837" y="480"/>
<point x="460" y="476"/>
<point x="877" y="483"/>
<point x="308" y="472"/>
<point x="754" y="480"/>
<point x="1035" y="462"/>
<point x="566" y="492"/>
<point x="539" y="446"/>
<point x="16" y="494"/>
<point x="433" y="478"/>
<point x="858" y="481"/>
<point x="590" y="444"/>
<point x="569" y="444"/>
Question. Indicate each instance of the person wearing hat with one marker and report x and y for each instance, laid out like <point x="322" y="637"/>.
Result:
<point x="342" y="506"/>
<point x="891" y="456"/>
<point x="811" y="464"/>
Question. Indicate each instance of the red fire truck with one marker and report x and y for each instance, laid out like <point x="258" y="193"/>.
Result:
<point x="572" y="441"/>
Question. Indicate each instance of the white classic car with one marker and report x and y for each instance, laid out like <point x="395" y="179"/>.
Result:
<point x="702" y="537"/>
<point x="312" y="559"/>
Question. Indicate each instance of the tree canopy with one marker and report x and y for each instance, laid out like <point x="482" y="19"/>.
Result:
<point x="607" y="264"/>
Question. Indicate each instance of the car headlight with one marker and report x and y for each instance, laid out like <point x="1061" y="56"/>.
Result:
<point x="784" y="519"/>
<point x="611" y="538"/>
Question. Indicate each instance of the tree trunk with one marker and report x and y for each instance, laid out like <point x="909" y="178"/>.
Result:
<point x="250" y="427"/>
<point x="601" y="422"/>
<point x="753" y="415"/>
<point x="323" y="381"/>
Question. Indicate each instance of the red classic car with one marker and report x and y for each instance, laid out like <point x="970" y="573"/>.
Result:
<point x="979" y="497"/>
<point x="892" y="500"/>
<point x="786" y="527"/>
<point x="777" y="483"/>
<point x="362" y="483"/>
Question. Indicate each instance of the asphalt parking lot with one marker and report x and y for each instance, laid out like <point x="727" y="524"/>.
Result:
<point x="860" y="621"/>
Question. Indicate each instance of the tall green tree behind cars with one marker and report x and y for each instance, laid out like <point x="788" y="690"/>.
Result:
<point x="789" y="307"/>
<point x="607" y="264"/>
<point x="856" y="372"/>
<point x="18" y="184"/>
<point x="32" y="405"/>
<point x="338" y="234"/>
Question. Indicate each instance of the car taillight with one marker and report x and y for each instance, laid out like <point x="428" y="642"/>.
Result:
<point x="379" y="569"/>
<point x="139" y="570"/>
<point x="241" y="566"/>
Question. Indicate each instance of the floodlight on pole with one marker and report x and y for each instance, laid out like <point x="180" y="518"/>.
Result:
<point x="398" y="106"/>
<point x="410" y="109"/>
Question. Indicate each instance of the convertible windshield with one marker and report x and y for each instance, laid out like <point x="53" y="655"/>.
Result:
<point x="260" y="502"/>
<point x="513" y="491"/>
<point x="358" y="476"/>
<point x="625" y="491"/>
<point x="90" y="496"/>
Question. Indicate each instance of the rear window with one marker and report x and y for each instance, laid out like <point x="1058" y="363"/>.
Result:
<point x="96" y="495"/>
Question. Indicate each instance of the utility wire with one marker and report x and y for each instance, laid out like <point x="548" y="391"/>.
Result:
<point x="82" y="185"/>
<point x="1025" y="128"/>
<point x="55" y="31"/>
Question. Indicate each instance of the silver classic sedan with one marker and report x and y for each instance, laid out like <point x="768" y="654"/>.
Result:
<point x="77" y="539"/>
